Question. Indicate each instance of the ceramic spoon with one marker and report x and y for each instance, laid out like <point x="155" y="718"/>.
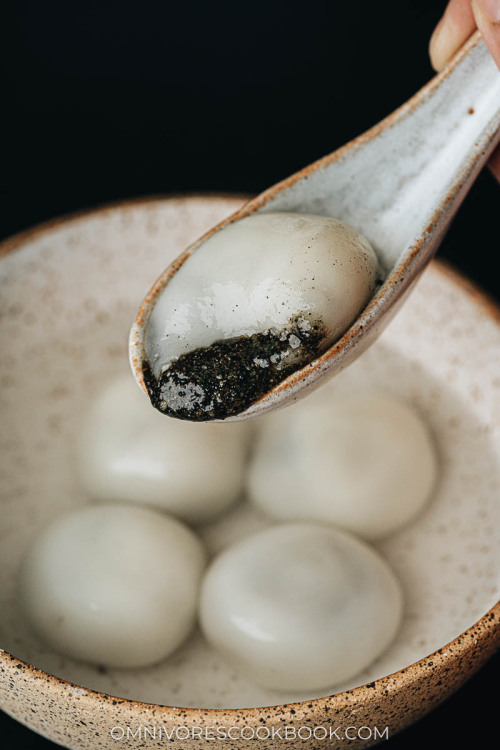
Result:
<point x="399" y="184"/>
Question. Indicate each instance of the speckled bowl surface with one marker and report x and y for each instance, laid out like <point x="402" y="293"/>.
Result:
<point x="70" y="290"/>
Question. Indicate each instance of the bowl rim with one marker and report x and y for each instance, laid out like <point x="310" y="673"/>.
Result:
<point x="476" y="635"/>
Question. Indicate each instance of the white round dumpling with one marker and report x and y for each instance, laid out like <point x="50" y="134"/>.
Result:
<point x="300" y="606"/>
<point x="366" y="463"/>
<point x="113" y="585"/>
<point x="258" y="273"/>
<point x="257" y="300"/>
<point x="128" y="452"/>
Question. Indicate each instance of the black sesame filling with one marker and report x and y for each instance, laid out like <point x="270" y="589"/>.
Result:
<point x="225" y="378"/>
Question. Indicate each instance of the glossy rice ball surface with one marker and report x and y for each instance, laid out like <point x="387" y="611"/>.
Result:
<point x="300" y="606"/>
<point x="128" y="452"/>
<point x="366" y="463"/>
<point x="112" y="585"/>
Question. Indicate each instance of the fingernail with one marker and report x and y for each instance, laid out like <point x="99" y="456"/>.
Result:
<point x="443" y="44"/>
<point x="435" y="47"/>
<point x="490" y="9"/>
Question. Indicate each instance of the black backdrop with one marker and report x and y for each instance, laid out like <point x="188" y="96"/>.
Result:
<point x="106" y="100"/>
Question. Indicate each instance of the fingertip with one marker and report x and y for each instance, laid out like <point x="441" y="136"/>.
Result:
<point x="454" y="28"/>
<point x="437" y="48"/>
<point x="489" y="28"/>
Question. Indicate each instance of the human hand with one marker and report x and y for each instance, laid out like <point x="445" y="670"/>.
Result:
<point x="458" y="22"/>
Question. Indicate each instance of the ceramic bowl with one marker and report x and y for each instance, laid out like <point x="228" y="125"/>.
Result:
<point x="70" y="290"/>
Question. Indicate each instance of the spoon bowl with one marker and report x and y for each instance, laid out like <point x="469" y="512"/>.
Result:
<point x="400" y="184"/>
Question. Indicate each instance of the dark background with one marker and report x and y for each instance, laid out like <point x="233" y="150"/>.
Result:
<point x="105" y="100"/>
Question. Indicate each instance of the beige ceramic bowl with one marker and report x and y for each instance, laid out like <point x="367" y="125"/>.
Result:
<point x="70" y="290"/>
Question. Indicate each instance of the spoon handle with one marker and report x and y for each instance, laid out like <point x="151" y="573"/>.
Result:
<point x="447" y="132"/>
<point x="401" y="182"/>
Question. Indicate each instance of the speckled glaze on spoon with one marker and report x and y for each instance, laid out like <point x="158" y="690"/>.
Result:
<point x="399" y="184"/>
